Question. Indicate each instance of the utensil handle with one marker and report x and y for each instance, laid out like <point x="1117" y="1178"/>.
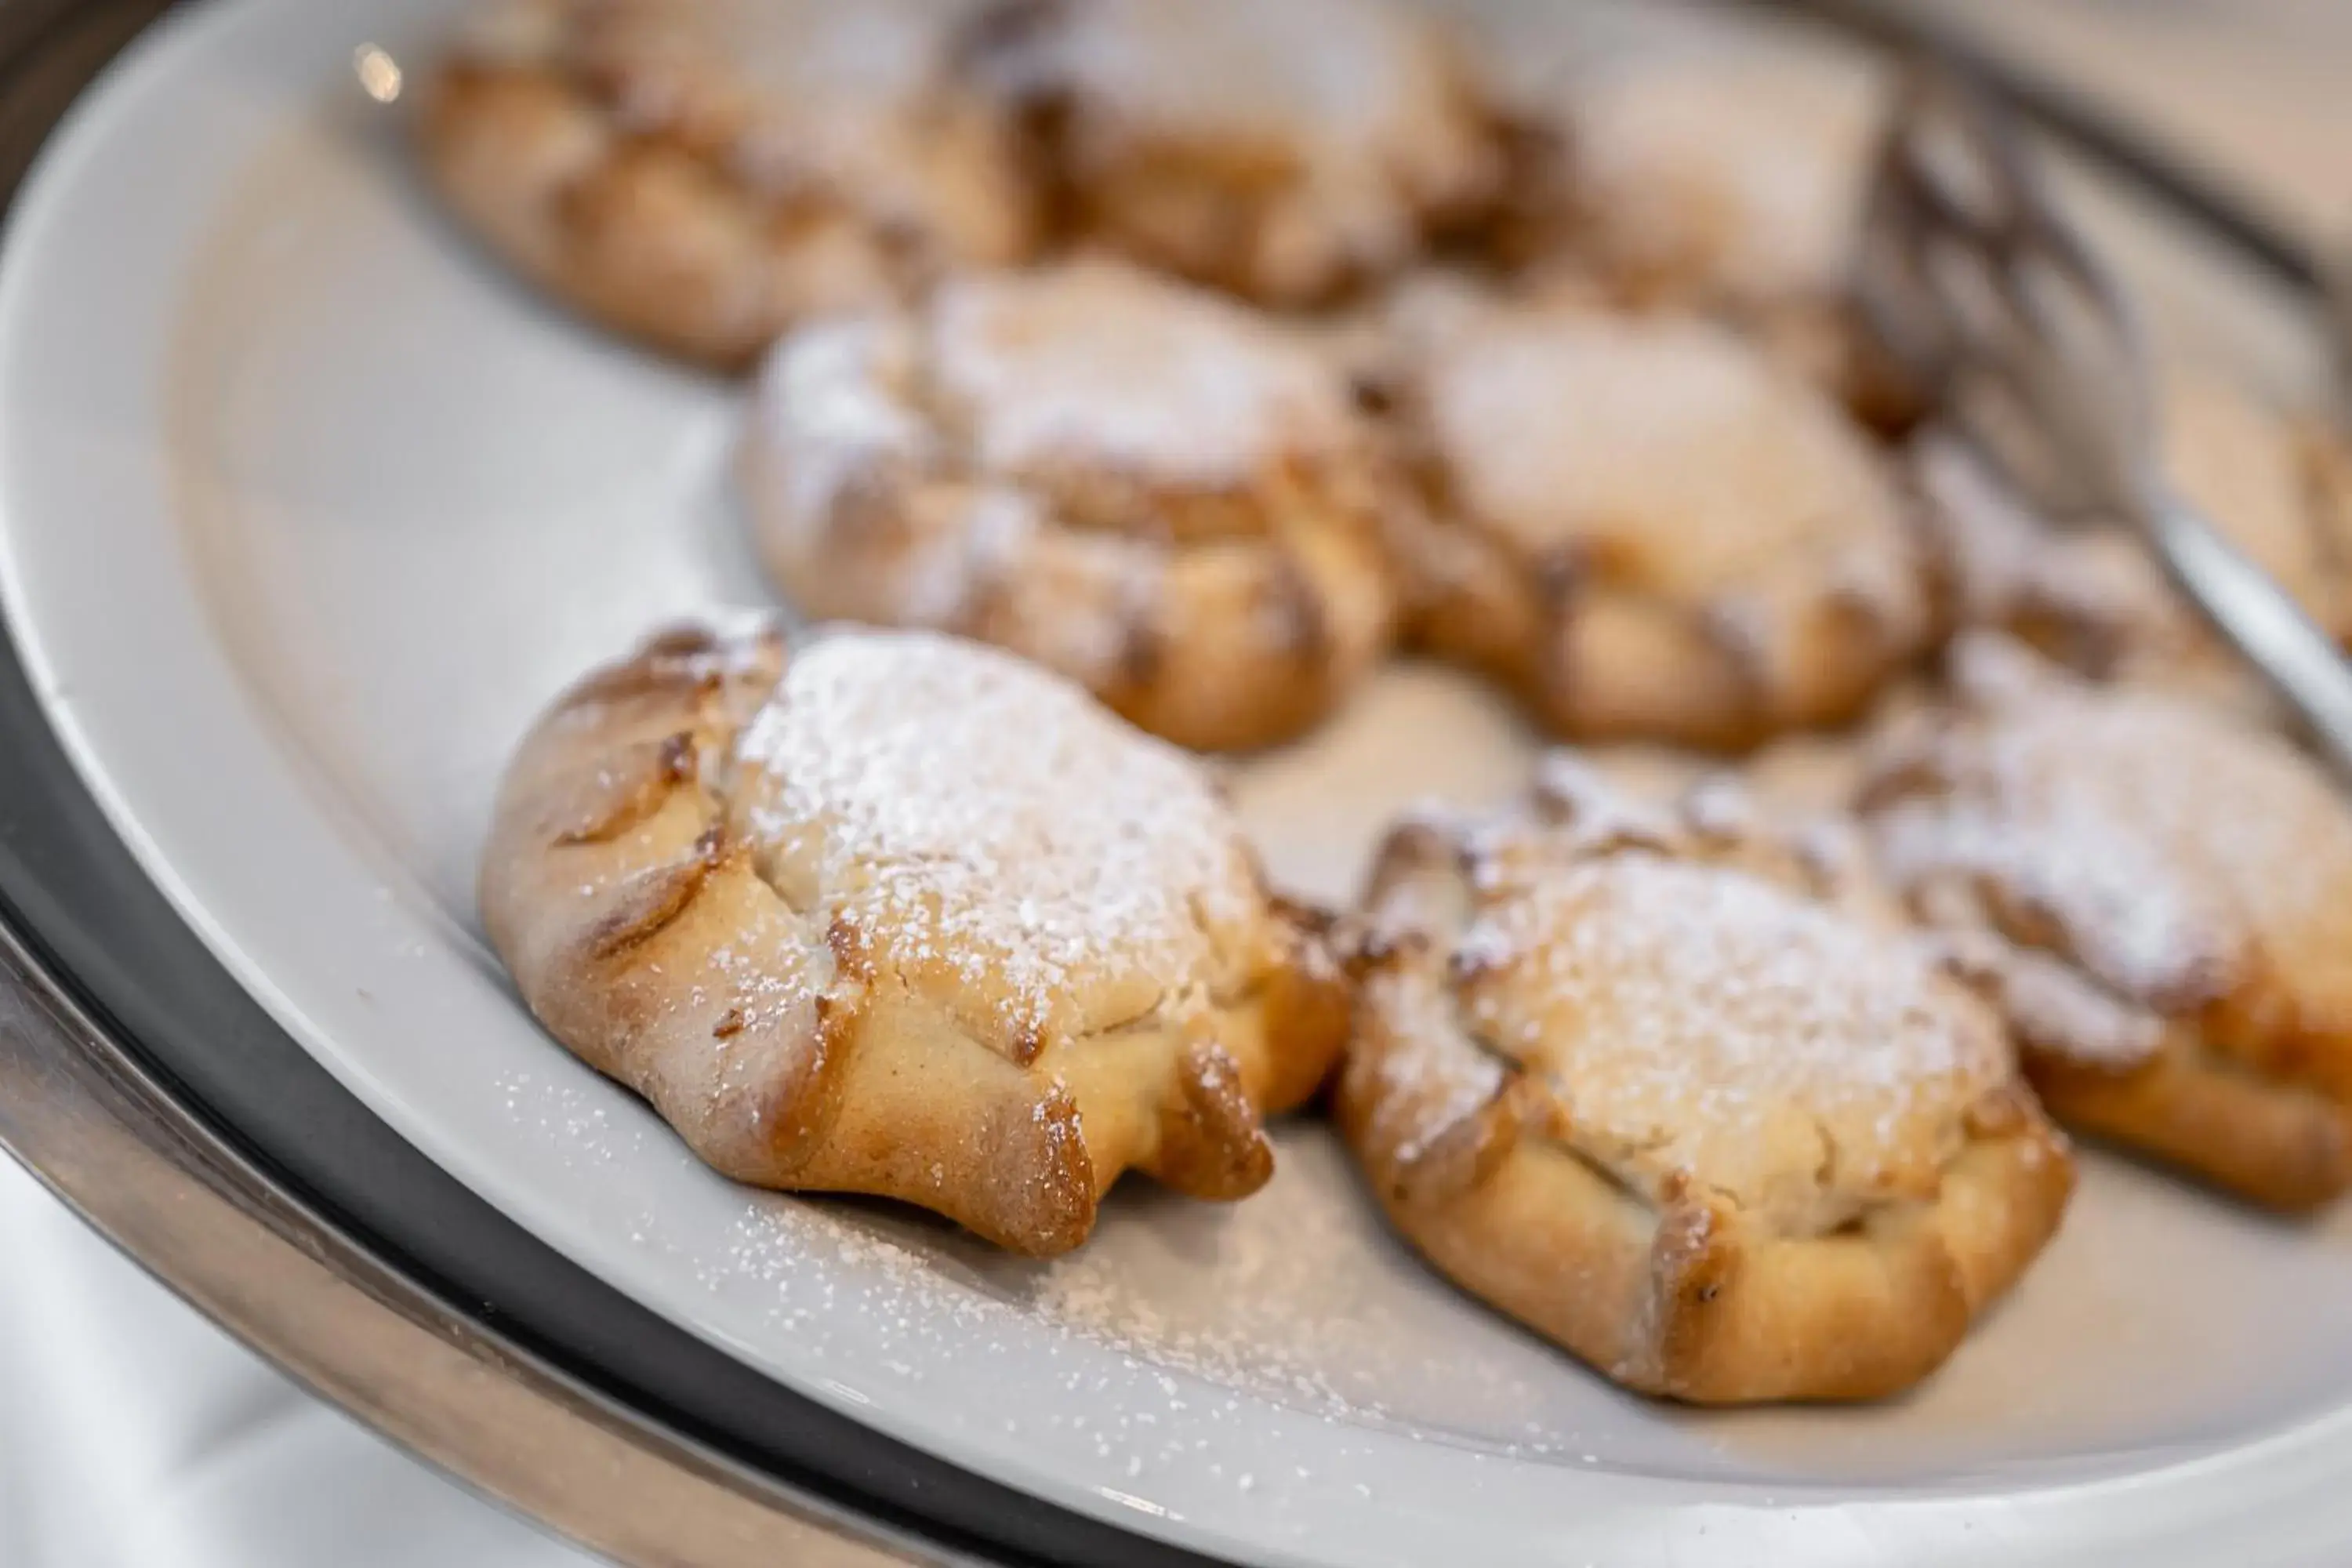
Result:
<point x="2247" y="606"/>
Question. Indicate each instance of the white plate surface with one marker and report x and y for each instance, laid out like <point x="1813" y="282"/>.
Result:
<point x="304" y="510"/>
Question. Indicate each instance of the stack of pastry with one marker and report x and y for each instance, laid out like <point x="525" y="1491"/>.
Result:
<point x="1141" y="374"/>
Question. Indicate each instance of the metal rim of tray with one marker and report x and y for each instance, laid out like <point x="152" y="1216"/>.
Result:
<point x="140" y="1084"/>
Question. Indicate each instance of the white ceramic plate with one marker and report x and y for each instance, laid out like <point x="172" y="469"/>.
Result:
<point x="304" y="510"/>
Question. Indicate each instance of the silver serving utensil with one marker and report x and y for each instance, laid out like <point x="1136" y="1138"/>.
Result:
<point x="1978" y="286"/>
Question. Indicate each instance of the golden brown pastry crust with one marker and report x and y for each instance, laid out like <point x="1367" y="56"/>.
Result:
<point x="1685" y="1101"/>
<point x="827" y="912"/>
<point x="2166" y="895"/>
<point x="1149" y="488"/>
<point x="1283" y="153"/>
<point x="1650" y="531"/>
<point x="701" y="173"/>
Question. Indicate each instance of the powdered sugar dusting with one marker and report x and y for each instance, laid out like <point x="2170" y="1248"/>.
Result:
<point x="971" y="815"/>
<point x="810" y="96"/>
<point x="1354" y="102"/>
<point x="1732" y="174"/>
<point x="1099" y="364"/>
<point x="1310" y="68"/>
<point x="1667" y="448"/>
<point x="1208" y="1313"/>
<point x="950" y="469"/>
<point x="1698" y="1018"/>
<point x="2053" y="1006"/>
<point x="2165" y="841"/>
<point x="828" y="419"/>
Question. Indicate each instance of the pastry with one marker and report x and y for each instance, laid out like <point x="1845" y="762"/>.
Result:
<point x="1722" y="175"/>
<point x="1726" y="179"/>
<point x="2160" y="893"/>
<point x="1682" y="1095"/>
<point x="1283" y="151"/>
<point x="2089" y="597"/>
<point x="895" y="914"/>
<point x="701" y="173"/>
<point x="1162" y="495"/>
<point x="1652" y="531"/>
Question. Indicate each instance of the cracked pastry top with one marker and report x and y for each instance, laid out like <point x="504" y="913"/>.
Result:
<point x="1282" y="152"/>
<point x="1674" y="1087"/>
<point x="701" y="173"/>
<point x="1649" y="528"/>
<point x="900" y="915"/>
<point x="2162" y="894"/>
<point x="1165" y="497"/>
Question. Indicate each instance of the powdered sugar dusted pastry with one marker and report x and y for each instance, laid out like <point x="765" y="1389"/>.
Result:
<point x="1652" y="531"/>
<point x="1728" y="178"/>
<point x="1162" y="494"/>
<point x="2169" y="890"/>
<point x="701" y="173"/>
<point x="900" y="915"/>
<point x="1280" y="151"/>
<point x="1725" y="174"/>
<point x="1687" y="1100"/>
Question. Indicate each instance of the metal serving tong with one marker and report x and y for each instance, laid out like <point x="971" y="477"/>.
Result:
<point x="1981" y="291"/>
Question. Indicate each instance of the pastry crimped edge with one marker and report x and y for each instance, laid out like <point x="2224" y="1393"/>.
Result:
<point x="656" y="242"/>
<point x="1598" y="664"/>
<point x="2279" y="1144"/>
<point x="2280" y="1137"/>
<point x="1469" y="1156"/>
<point x="612" y="887"/>
<point x="1598" y="667"/>
<point x="2242" y="1087"/>
<point x="1226" y="642"/>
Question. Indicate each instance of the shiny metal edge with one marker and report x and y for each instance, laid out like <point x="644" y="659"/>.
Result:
<point x="88" y="1122"/>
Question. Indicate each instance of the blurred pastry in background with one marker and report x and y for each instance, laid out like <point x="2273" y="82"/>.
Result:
<point x="1717" y="178"/>
<point x="1281" y="152"/>
<point x="701" y="173"/>
<point x="1163" y="495"/>
<point x="1650" y="529"/>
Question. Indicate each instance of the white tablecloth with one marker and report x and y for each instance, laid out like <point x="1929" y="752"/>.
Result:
<point x="135" y="1434"/>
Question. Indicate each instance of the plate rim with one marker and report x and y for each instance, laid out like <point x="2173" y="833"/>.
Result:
<point x="86" y="912"/>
